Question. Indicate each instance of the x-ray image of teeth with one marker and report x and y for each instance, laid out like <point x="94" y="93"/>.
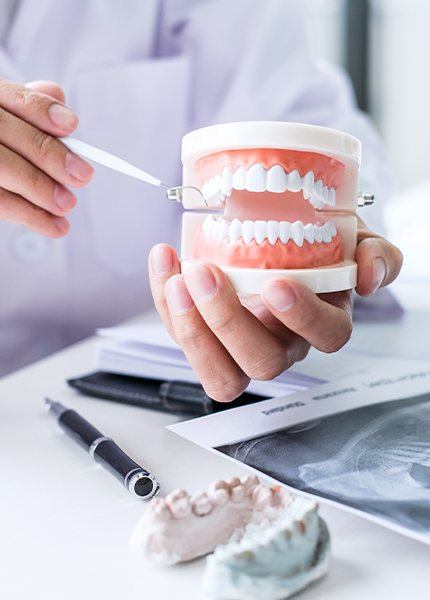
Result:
<point x="376" y="459"/>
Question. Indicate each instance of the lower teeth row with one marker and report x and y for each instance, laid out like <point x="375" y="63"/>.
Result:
<point x="220" y="229"/>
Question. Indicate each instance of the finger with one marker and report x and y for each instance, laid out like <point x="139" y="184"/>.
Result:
<point x="44" y="151"/>
<point x="218" y="373"/>
<point x="49" y="88"/>
<point x="37" y="108"/>
<point x="260" y="354"/>
<point x="163" y="263"/>
<point x="323" y="325"/>
<point x="258" y="308"/>
<point x="21" y="177"/>
<point x="379" y="262"/>
<point x="15" y="209"/>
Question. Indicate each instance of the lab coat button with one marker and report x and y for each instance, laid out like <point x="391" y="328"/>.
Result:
<point x="30" y="247"/>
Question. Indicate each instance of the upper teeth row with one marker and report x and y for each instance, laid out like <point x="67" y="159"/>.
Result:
<point x="275" y="179"/>
<point x="259" y="231"/>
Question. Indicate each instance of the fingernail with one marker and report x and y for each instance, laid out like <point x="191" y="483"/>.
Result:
<point x="178" y="297"/>
<point x="161" y="260"/>
<point x="279" y="295"/>
<point x="78" y="168"/>
<point x="201" y="282"/>
<point x="61" y="224"/>
<point x="379" y="272"/>
<point x="62" y="116"/>
<point x="64" y="199"/>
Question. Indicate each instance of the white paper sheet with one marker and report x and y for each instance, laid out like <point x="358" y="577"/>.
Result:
<point x="148" y="351"/>
<point x="398" y="378"/>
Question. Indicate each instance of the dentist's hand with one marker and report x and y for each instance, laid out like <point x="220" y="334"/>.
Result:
<point x="228" y="342"/>
<point x="35" y="167"/>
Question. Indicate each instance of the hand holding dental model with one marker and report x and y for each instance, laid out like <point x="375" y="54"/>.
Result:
<point x="278" y="246"/>
<point x="289" y="193"/>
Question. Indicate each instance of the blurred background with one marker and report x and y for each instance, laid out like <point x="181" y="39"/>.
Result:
<point x="384" y="45"/>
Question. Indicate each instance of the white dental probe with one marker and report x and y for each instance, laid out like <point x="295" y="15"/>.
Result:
<point x="118" y="164"/>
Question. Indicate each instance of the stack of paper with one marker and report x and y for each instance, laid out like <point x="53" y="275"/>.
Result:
<point x="148" y="351"/>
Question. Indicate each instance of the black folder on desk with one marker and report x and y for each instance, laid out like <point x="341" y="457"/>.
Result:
<point x="178" y="397"/>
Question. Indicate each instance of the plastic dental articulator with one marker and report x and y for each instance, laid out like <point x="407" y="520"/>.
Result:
<point x="282" y="198"/>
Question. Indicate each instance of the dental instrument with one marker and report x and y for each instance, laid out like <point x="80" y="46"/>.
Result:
<point x="118" y="164"/>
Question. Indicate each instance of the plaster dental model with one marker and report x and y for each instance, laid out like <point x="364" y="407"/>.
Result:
<point x="271" y="560"/>
<point x="256" y="521"/>
<point x="286" y="196"/>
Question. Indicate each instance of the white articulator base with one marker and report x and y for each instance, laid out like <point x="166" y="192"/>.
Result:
<point x="335" y="278"/>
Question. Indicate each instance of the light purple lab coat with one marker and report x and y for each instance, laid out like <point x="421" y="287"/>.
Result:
<point x="140" y="74"/>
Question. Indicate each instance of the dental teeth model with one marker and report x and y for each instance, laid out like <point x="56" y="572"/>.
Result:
<point x="285" y="196"/>
<point x="273" y="544"/>
<point x="272" y="559"/>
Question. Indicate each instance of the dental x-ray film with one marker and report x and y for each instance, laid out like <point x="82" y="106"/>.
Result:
<point x="362" y="443"/>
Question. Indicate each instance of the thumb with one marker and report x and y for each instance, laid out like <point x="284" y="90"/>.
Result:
<point x="49" y="88"/>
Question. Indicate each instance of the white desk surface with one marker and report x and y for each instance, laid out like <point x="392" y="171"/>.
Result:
<point x="65" y="522"/>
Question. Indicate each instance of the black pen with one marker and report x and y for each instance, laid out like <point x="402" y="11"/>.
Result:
<point x="139" y="482"/>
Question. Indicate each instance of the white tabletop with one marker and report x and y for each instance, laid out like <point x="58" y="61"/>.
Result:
<point x="65" y="523"/>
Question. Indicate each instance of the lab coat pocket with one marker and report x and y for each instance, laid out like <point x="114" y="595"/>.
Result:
<point x="137" y="111"/>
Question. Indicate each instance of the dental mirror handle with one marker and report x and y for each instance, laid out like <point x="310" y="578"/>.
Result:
<point x="109" y="160"/>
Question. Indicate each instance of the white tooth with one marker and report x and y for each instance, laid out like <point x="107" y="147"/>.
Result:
<point x="211" y="188"/>
<point x="219" y="230"/>
<point x="284" y="231"/>
<point x="218" y="496"/>
<point x="325" y="194"/>
<point x="223" y="230"/>
<point x="260" y="231"/>
<point x="247" y="231"/>
<point x="214" y="186"/>
<point x="276" y="179"/>
<point x="308" y="184"/>
<point x="208" y="224"/>
<point x="235" y="231"/>
<point x="297" y="232"/>
<point x="318" y="234"/>
<point x="333" y="229"/>
<point x="316" y="202"/>
<point x="309" y="233"/>
<point x="217" y="183"/>
<point x="331" y="196"/>
<point x="261" y="496"/>
<point x="226" y="181"/>
<point x="272" y="231"/>
<point x="232" y="482"/>
<point x="237" y="493"/>
<point x="201" y="504"/>
<point x="295" y="182"/>
<point x="256" y="178"/>
<point x="206" y="190"/>
<point x="220" y="200"/>
<point x="215" y="229"/>
<point x="318" y="189"/>
<point x="326" y="233"/>
<point x="239" y="179"/>
<point x="249" y="482"/>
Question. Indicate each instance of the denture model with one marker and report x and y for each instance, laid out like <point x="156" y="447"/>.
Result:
<point x="272" y="559"/>
<point x="268" y="534"/>
<point x="285" y="197"/>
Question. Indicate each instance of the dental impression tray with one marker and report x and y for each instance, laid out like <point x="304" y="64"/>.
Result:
<point x="283" y="200"/>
